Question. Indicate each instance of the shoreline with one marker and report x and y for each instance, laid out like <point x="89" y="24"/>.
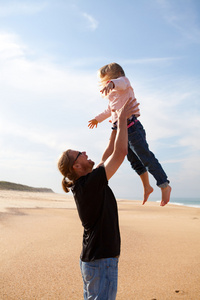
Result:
<point x="187" y="202"/>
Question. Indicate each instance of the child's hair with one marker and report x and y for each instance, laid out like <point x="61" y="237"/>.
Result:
<point x="65" y="168"/>
<point x="110" y="71"/>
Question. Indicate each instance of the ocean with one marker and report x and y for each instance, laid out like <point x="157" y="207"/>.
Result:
<point x="190" y="202"/>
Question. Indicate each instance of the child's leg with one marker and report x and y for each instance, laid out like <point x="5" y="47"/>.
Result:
<point x="147" y="187"/>
<point x="138" y="144"/>
<point x="140" y="169"/>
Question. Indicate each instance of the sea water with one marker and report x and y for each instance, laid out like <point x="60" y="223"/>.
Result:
<point x="190" y="202"/>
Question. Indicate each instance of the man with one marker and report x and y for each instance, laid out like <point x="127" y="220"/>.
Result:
<point x="97" y="208"/>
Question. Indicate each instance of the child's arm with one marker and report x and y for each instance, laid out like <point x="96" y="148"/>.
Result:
<point x="107" y="88"/>
<point x="120" y="83"/>
<point x="92" y="123"/>
<point x="100" y="118"/>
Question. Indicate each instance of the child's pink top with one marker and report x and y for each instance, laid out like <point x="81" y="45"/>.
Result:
<point x="117" y="98"/>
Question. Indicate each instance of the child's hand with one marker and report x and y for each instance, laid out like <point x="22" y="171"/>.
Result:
<point x="107" y="88"/>
<point x="92" y="123"/>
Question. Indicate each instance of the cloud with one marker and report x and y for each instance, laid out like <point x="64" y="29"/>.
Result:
<point x="170" y="113"/>
<point x="24" y="71"/>
<point x="92" y="22"/>
<point x="33" y="135"/>
<point x="44" y="109"/>
<point x="151" y="60"/>
<point x="10" y="47"/>
<point x="183" y="17"/>
<point x="39" y="96"/>
<point x="85" y="20"/>
<point x="20" y="8"/>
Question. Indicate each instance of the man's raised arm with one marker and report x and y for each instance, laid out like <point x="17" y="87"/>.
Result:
<point x="121" y="140"/>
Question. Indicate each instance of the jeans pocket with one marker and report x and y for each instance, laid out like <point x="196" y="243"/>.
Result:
<point x="91" y="278"/>
<point x="88" y="272"/>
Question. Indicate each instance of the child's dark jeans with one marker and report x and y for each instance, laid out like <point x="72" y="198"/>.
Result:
<point x="140" y="157"/>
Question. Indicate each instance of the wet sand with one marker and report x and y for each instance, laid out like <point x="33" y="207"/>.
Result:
<point x="40" y="244"/>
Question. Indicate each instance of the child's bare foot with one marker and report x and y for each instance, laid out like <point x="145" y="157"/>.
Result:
<point x="147" y="191"/>
<point x="165" y="195"/>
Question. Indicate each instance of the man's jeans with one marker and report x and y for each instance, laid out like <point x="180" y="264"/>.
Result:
<point x="100" y="279"/>
<point x="141" y="158"/>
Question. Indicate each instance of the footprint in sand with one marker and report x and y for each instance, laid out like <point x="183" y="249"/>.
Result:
<point x="180" y="292"/>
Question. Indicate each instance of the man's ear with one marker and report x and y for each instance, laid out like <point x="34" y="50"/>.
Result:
<point x="76" y="166"/>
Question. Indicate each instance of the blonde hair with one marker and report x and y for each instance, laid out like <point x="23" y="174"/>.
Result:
<point x="110" y="71"/>
<point x="65" y="166"/>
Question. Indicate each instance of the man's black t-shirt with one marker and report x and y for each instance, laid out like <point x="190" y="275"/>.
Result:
<point x="97" y="208"/>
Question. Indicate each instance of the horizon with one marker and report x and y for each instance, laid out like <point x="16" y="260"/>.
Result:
<point x="151" y="198"/>
<point x="50" y="52"/>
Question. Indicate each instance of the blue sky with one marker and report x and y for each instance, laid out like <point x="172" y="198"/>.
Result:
<point x="50" y="52"/>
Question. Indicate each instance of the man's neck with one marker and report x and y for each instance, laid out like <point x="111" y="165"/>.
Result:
<point x="84" y="172"/>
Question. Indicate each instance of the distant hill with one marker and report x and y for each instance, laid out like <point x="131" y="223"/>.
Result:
<point x="4" y="185"/>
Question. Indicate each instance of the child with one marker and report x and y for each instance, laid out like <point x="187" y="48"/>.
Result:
<point x="117" y="88"/>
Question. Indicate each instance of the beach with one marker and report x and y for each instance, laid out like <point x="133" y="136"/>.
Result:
<point x="40" y="245"/>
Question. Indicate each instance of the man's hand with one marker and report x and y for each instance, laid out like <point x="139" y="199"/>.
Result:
<point x="128" y="109"/>
<point x="92" y="123"/>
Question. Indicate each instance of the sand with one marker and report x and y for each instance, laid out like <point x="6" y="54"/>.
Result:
<point x="40" y="244"/>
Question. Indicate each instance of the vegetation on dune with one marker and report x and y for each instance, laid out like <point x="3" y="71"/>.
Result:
<point x="4" y="185"/>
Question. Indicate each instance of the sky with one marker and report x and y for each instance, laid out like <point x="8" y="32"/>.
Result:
<point x="50" y="52"/>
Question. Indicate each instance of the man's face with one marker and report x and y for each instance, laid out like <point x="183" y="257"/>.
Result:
<point x="82" y="159"/>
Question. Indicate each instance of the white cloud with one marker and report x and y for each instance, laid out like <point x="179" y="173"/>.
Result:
<point x="183" y="17"/>
<point x="92" y="22"/>
<point x="20" y="8"/>
<point x="89" y="21"/>
<point x="170" y="113"/>
<point x="39" y="75"/>
<point x="33" y="89"/>
<point x="34" y="135"/>
<point x="151" y="60"/>
<point x="10" y="47"/>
